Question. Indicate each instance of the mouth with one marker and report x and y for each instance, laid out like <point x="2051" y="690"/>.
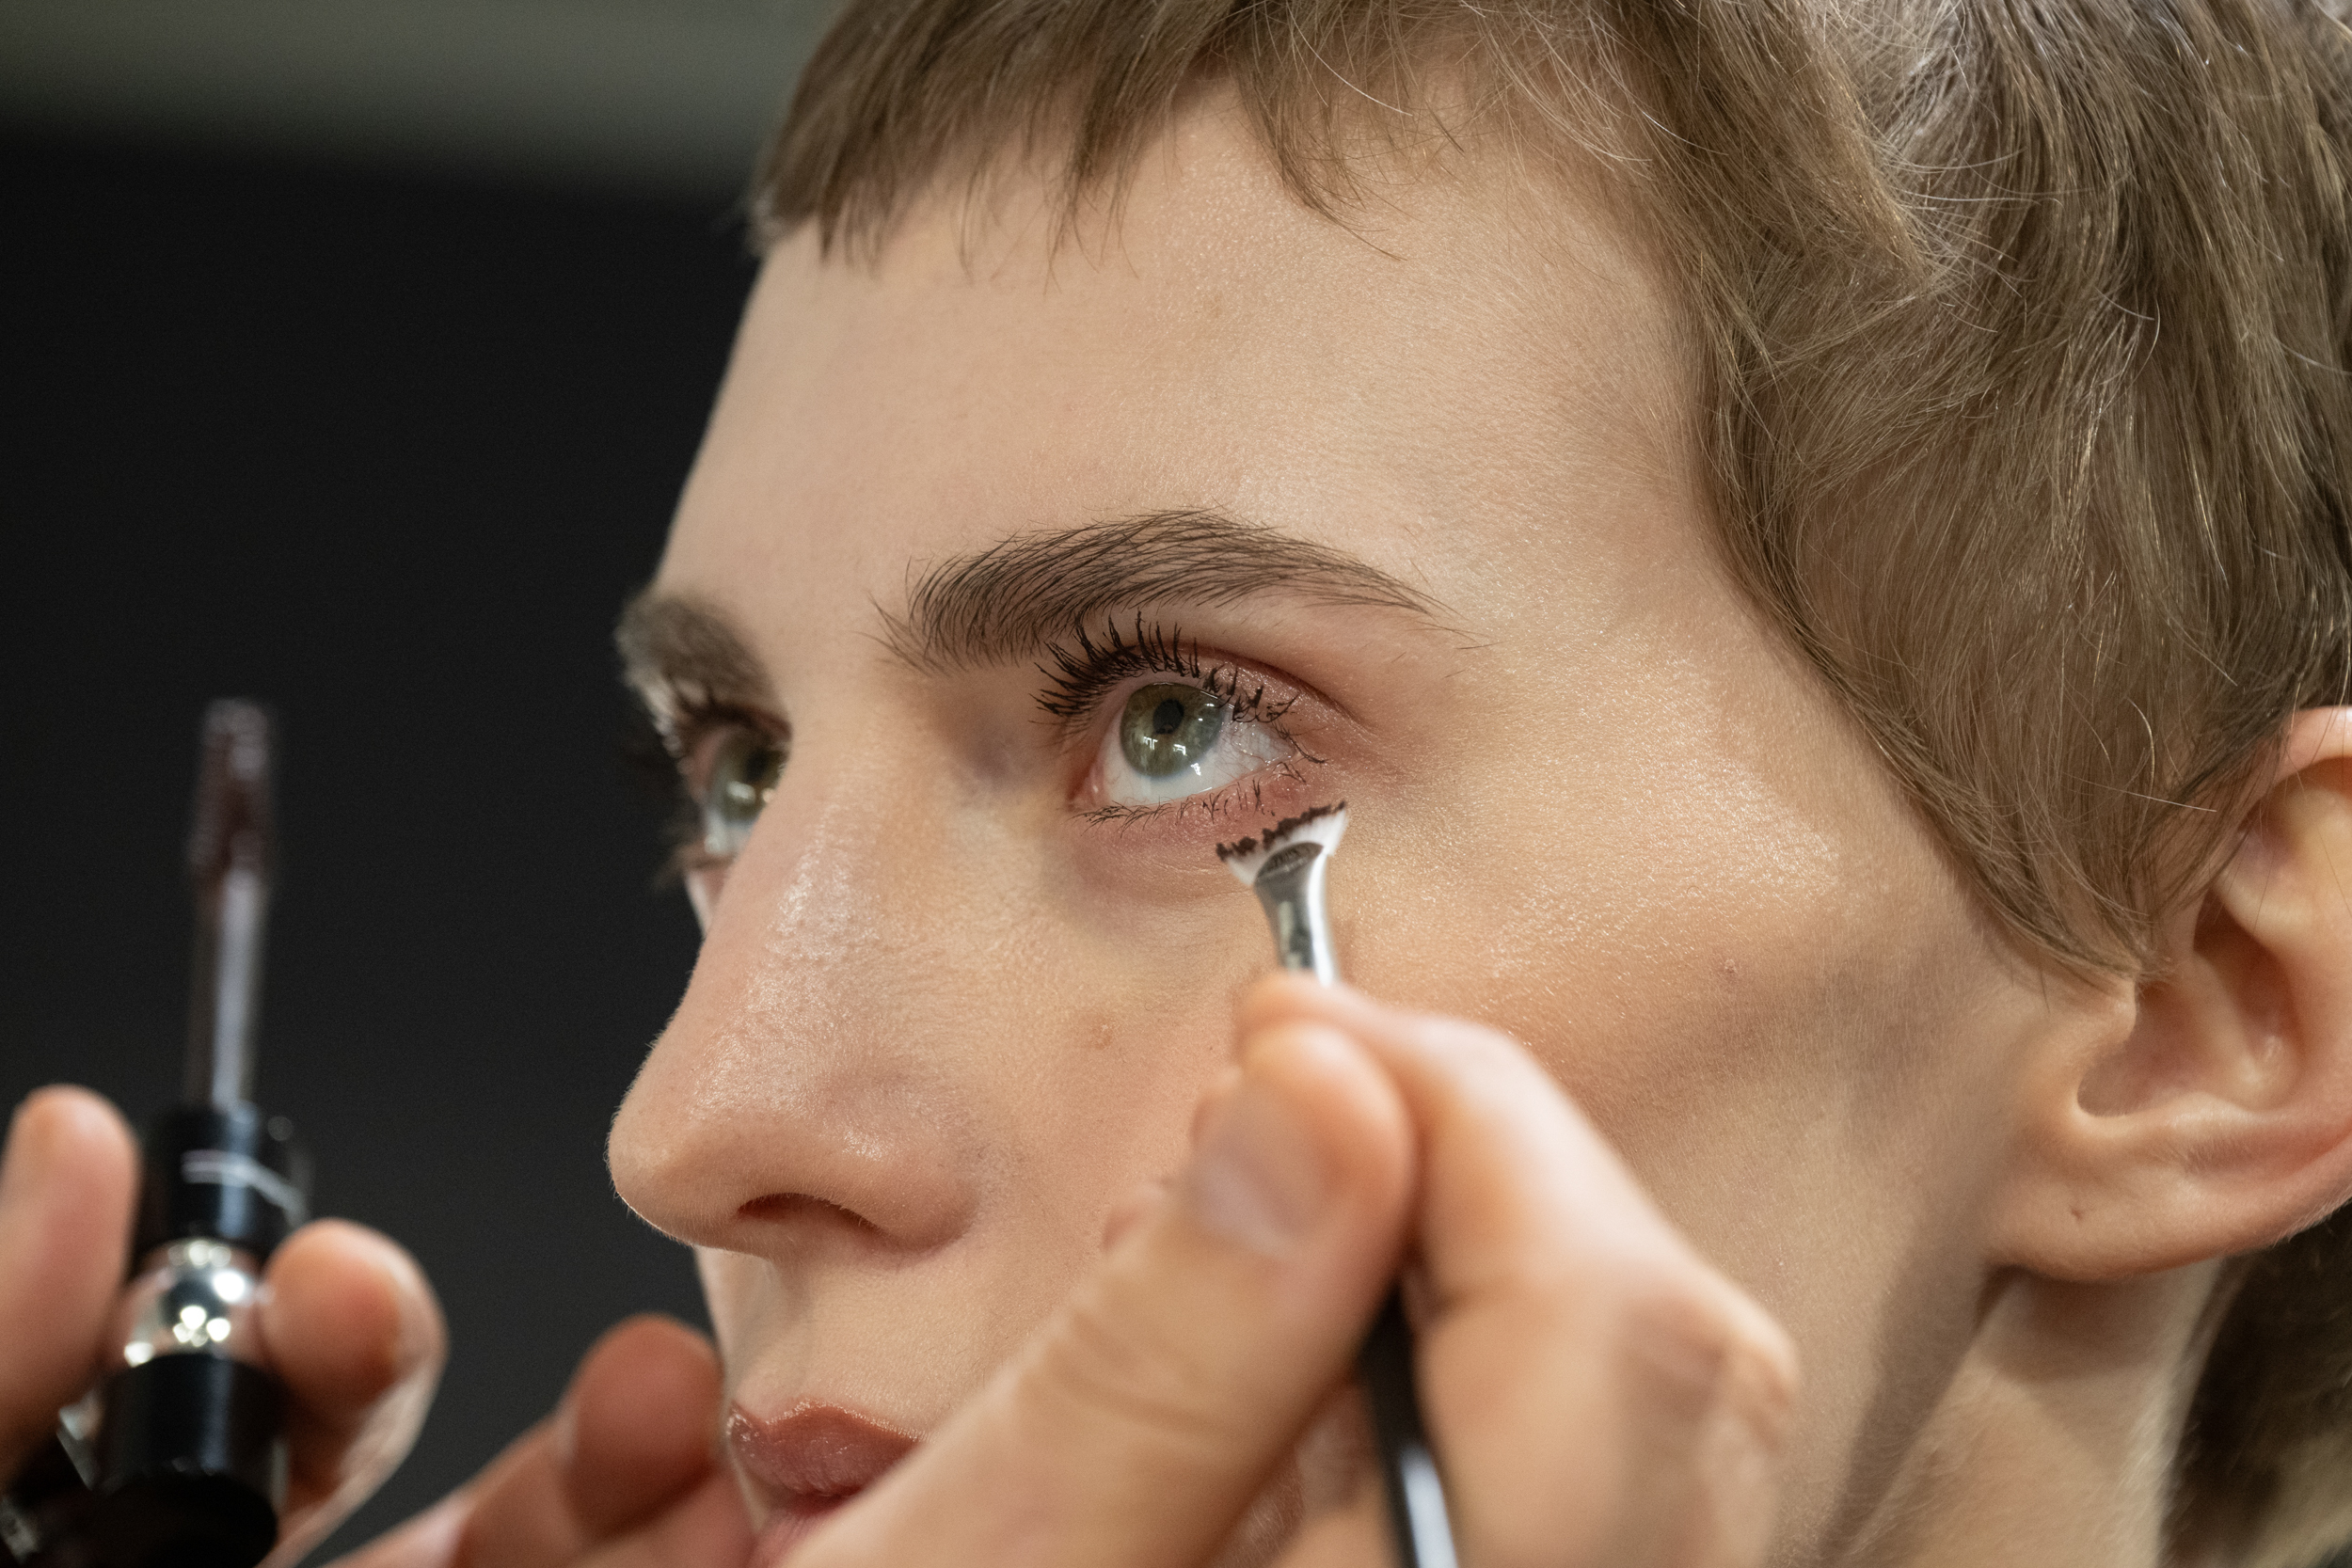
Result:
<point x="806" y="1465"/>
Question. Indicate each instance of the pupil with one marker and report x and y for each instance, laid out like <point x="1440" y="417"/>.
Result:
<point x="1168" y="729"/>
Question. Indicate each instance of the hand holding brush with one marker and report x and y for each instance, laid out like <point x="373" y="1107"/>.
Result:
<point x="1597" y="1394"/>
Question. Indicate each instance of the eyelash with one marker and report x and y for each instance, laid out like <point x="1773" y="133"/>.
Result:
<point x="1079" y="679"/>
<point x="1079" y="676"/>
<point x="658" y="754"/>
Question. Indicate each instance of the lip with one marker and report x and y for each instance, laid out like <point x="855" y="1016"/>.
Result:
<point x="806" y="1465"/>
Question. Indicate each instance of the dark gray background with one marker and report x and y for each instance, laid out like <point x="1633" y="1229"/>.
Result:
<point x="387" y="450"/>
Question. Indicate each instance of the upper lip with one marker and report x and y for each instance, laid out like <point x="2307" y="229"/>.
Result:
<point x="814" y="1454"/>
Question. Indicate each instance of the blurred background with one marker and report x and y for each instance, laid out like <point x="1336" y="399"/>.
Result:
<point x="355" y="353"/>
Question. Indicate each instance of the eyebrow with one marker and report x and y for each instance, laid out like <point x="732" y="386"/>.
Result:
<point x="1024" y="593"/>
<point x="1016" y="599"/>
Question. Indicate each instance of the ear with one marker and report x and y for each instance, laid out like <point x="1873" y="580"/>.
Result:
<point x="2215" y="1118"/>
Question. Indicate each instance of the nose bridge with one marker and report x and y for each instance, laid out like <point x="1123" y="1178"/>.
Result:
<point x="810" y="1072"/>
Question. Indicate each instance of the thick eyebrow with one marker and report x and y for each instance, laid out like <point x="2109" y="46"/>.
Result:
<point x="677" y="651"/>
<point x="1022" y="594"/>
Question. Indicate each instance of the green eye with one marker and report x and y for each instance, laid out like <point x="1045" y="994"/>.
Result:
<point x="743" y="773"/>
<point x="1168" y="729"/>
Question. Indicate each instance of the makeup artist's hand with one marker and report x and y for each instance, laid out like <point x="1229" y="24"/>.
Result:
<point x="621" y="1475"/>
<point x="351" y="1327"/>
<point x="1597" y="1393"/>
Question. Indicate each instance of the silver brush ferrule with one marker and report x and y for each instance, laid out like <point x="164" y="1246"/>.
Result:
<point x="1290" y="889"/>
<point x="194" y="1297"/>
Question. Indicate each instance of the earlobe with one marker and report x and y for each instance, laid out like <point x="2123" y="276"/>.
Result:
<point x="2220" y="1119"/>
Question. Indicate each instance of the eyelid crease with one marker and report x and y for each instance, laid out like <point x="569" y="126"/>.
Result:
<point x="682" y="714"/>
<point x="695" y="725"/>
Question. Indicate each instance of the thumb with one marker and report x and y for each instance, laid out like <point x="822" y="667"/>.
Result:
<point x="1141" y="1422"/>
<point x="65" y="1193"/>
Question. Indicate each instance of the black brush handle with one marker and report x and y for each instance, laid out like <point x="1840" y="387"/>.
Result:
<point x="1289" y="885"/>
<point x="187" y="1465"/>
<point x="1418" y="1525"/>
<point x="194" y="1461"/>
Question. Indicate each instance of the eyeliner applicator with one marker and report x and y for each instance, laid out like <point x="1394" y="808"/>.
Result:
<point x="191" y="1451"/>
<point x="1285" y="869"/>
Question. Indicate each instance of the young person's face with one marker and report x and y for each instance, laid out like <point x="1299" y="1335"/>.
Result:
<point x="1449" y="560"/>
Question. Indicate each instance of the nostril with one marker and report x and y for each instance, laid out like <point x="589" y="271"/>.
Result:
<point x="800" y="1210"/>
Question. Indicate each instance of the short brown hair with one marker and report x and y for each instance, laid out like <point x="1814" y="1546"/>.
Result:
<point x="2027" y="408"/>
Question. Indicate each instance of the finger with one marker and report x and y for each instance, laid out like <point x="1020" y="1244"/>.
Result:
<point x="428" y="1540"/>
<point x="66" y="1191"/>
<point x="631" y="1438"/>
<point x="1212" y="1099"/>
<point x="1132" y="1211"/>
<point x="1138" y="1205"/>
<point x="1597" y="1390"/>
<point x="516" y="1513"/>
<point x="1338" y="1459"/>
<point x="1350" y="1537"/>
<point x="355" y="1334"/>
<point x="704" y="1527"/>
<point x="637" y="1427"/>
<point x="1138" y="1424"/>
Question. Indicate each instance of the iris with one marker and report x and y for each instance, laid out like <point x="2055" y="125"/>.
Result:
<point x="1169" y="728"/>
<point x="743" y="773"/>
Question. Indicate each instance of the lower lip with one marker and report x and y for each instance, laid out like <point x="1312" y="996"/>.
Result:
<point x="790" y="1525"/>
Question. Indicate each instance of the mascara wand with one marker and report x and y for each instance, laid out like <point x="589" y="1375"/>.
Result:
<point x="190" y="1450"/>
<point x="1285" y="869"/>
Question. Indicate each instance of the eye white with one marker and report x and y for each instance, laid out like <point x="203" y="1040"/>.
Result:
<point x="1238" y="749"/>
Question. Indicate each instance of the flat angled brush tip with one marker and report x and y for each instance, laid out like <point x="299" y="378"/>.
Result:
<point x="1318" y="824"/>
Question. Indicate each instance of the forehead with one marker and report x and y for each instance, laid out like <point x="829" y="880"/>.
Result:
<point x="1440" y="382"/>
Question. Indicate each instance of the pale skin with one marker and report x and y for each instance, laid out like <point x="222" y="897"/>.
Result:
<point x="1682" y="1057"/>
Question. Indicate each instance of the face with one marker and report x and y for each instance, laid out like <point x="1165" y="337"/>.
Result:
<point x="1013" y="577"/>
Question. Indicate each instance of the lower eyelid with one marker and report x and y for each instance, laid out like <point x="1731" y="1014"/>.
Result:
<point x="1246" y="792"/>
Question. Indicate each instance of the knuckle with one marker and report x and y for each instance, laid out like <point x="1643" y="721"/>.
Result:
<point x="1675" y="1344"/>
<point x="1765" y="1381"/>
<point x="1697" y="1345"/>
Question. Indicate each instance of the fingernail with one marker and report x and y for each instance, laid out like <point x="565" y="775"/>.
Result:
<point x="1133" y="1209"/>
<point x="1257" y="1178"/>
<point x="1213" y="1098"/>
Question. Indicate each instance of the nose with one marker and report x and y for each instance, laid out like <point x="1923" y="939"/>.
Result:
<point x="807" y="1094"/>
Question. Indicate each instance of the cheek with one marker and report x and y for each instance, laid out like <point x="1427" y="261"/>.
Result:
<point x="1634" y="925"/>
<point x="1662" y="858"/>
<point x="1756" y="974"/>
